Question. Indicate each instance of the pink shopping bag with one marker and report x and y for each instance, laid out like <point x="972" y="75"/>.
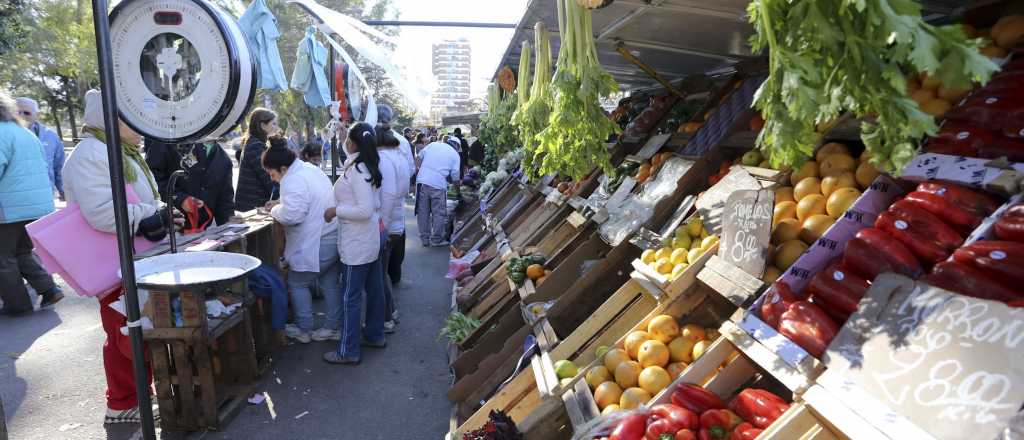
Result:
<point x="86" y="258"/>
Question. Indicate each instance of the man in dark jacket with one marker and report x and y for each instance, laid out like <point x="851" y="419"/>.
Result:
<point x="463" y="151"/>
<point x="208" y="182"/>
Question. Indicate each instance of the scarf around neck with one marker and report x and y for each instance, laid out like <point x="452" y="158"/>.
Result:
<point x="130" y="151"/>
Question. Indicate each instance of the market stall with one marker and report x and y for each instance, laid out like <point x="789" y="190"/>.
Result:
<point x="724" y="276"/>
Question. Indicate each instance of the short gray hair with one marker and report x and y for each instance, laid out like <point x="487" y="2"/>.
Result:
<point x="6" y="107"/>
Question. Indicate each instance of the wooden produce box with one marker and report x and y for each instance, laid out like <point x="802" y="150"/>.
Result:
<point x="535" y="416"/>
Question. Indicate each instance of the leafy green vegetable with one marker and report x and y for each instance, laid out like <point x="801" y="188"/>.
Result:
<point x="573" y="141"/>
<point x="458" y="327"/>
<point x="496" y="130"/>
<point x="530" y="118"/>
<point x="827" y="57"/>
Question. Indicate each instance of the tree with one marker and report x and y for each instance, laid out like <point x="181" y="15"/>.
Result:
<point x="12" y="26"/>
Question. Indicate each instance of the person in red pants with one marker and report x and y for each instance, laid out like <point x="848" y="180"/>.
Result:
<point x="117" y="363"/>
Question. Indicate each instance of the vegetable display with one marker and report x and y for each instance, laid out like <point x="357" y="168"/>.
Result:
<point x="457" y="327"/>
<point x="830" y="57"/>
<point x="496" y="131"/>
<point x="532" y="114"/>
<point x="573" y="141"/>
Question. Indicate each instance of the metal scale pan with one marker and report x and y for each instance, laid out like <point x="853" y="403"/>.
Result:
<point x="185" y="271"/>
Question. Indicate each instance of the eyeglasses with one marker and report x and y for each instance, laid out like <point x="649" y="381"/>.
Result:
<point x="25" y="113"/>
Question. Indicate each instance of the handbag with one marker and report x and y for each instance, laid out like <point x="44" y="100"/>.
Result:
<point x="90" y="263"/>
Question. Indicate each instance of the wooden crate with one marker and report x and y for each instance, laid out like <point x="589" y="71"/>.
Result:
<point x="535" y="417"/>
<point x="204" y="370"/>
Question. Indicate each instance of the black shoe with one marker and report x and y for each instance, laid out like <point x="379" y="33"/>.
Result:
<point x="332" y="357"/>
<point x="371" y="344"/>
<point x="12" y="312"/>
<point x="50" y="299"/>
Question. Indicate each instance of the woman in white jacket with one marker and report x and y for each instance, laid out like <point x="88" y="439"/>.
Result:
<point x="311" y="244"/>
<point x="395" y="185"/>
<point x="357" y="193"/>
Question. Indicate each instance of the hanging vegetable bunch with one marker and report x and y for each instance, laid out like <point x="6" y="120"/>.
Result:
<point x="496" y="130"/>
<point x="535" y="101"/>
<point x="573" y="141"/>
<point x="828" y="57"/>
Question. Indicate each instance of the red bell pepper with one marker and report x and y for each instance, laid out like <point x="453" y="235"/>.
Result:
<point x="872" y="252"/>
<point x="966" y="280"/>
<point x="839" y="288"/>
<point x="718" y="424"/>
<point x="683" y="434"/>
<point x="986" y="110"/>
<point x="746" y="431"/>
<point x="695" y="398"/>
<point x="632" y="427"/>
<point x="966" y="198"/>
<point x="920" y="231"/>
<point x="832" y="312"/>
<point x="776" y="301"/>
<point x="808" y="326"/>
<point x="659" y="428"/>
<point x="1011" y="149"/>
<point x="759" y="407"/>
<point x="966" y="136"/>
<point x="679" y="416"/>
<point x="1003" y="260"/>
<point x="963" y="220"/>
<point x="1011" y="225"/>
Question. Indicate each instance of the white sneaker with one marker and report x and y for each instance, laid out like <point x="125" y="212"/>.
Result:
<point x="294" y="332"/>
<point x="389" y="327"/>
<point x="326" y="334"/>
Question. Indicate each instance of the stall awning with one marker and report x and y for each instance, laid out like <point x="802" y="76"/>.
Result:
<point x="676" y="38"/>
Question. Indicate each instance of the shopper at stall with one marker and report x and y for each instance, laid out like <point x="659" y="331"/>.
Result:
<point x="205" y="193"/>
<point x="394" y="187"/>
<point x="87" y="182"/>
<point x="25" y="195"/>
<point x="385" y="115"/>
<point x="357" y="194"/>
<point x="420" y="143"/>
<point x="463" y="151"/>
<point x="53" y="146"/>
<point x="255" y="188"/>
<point x="311" y="244"/>
<point x="438" y="166"/>
<point x="312" y="153"/>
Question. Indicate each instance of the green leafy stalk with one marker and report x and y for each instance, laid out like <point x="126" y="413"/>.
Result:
<point x="829" y="57"/>
<point x="457" y="327"/>
<point x="532" y="117"/>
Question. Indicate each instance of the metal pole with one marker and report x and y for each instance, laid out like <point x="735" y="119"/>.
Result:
<point x="439" y="24"/>
<point x="124" y="236"/>
<point x="334" y="96"/>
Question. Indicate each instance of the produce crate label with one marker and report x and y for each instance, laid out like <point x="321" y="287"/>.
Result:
<point x="747" y="230"/>
<point x="969" y="171"/>
<point x="948" y="364"/>
<point x="712" y="204"/>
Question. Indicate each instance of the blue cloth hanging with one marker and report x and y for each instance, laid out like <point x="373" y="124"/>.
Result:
<point x="310" y="75"/>
<point x="260" y="29"/>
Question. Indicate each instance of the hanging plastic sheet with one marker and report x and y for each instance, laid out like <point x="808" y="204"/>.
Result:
<point x="310" y="71"/>
<point x="260" y="28"/>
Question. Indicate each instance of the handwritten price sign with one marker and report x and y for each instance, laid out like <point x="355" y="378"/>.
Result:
<point x="746" y="230"/>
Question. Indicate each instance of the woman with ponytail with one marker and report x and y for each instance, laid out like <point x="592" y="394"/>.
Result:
<point x="361" y="235"/>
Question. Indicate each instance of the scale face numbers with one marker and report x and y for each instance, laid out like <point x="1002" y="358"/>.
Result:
<point x="182" y="68"/>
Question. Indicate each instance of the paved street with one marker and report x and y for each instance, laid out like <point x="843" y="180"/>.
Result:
<point x="52" y="383"/>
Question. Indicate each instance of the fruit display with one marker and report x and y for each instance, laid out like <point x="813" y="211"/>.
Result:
<point x="527" y="267"/>
<point x="696" y="413"/>
<point x="646" y="362"/>
<point x="687" y="244"/>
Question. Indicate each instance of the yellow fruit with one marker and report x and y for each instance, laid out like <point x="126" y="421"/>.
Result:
<point x="922" y="96"/>
<point x="607" y="394"/>
<point x="840" y="201"/>
<point x="632" y="398"/>
<point x="842" y="180"/>
<point x="771" y="273"/>
<point x="927" y="82"/>
<point x="787" y="253"/>
<point x="1008" y="32"/>
<point x="993" y="51"/>
<point x="565" y="369"/>
<point x="806" y="187"/>
<point x="712" y="334"/>
<point x="936" y="107"/>
<point x="764" y="164"/>
<point x="864" y="157"/>
<point x="663" y="328"/>
<point x="611" y="409"/>
<point x="783" y="211"/>
<point x="809" y="169"/>
<point x="678" y="271"/>
<point x="664" y="252"/>
<point x="681" y="241"/>
<point x="810" y="205"/>
<point x="784" y="194"/>
<point x="785" y="230"/>
<point x="679" y="255"/>
<point x="647" y="256"/>
<point x="814" y="227"/>
<point x="627" y="373"/>
<point x="654" y="379"/>
<point x="708" y="242"/>
<point x="837" y="163"/>
<point x="676" y="368"/>
<point x="681" y="349"/>
<point x="597" y="375"/>
<point x="694" y="332"/>
<point x="653" y="353"/>
<point x="664" y="266"/>
<point x="694" y="226"/>
<point x="699" y="348"/>
<point x="831" y="148"/>
<point x="614" y="357"/>
<point x="952" y="94"/>
<point x="634" y="340"/>
<point x="535" y="272"/>
<point x="866" y="173"/>
<point x="694" y="244"/>
<point x="704" y="234"/>
<point x="694" y="254"/>
<point x="601" y="351"/>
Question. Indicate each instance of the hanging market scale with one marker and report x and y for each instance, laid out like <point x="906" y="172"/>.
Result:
<point x="182" y="68"/>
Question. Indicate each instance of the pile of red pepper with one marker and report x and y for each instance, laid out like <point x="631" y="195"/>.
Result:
<point x="922" y="231"/>
<point x="698" y="414"/>
<point x="990" y="123"/>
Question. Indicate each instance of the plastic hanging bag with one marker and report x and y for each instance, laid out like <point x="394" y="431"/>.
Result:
<point x="457" y="266"/>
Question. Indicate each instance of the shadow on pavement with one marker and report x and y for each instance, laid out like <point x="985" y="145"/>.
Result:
<point x="19" y="333"/>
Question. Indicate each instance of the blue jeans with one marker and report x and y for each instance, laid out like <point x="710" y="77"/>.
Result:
<point x="369" y="277"/>
<point x="300" y="285"/>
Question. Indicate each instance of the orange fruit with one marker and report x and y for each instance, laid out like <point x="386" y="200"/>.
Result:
<point x="836" y="164"/>
<point x="922" y="96"/>
<point x="654" y="379"/>
<point x="783" y="211"/>
<point x="614" y="357"/>
<point x="810" y="205"/>
<point x="634" y="340"/>
<point x="598" y="375"/>
<point x="664" y="328"/>
<point x="829" y="149"/>
<point x="653" y="353"/>
<point x="694" y="332"/>
<point x="814" y="227"/>
<point x="840" y="201"/>
<point x="633" y="397"/>
<point x="784" y="194"/>
<point x="607" y="393"/>
<point x="681" y="349"/>
<point x="787" y="253"/>
<point x="841" y="180"/>
<point x="809" y="169"/>
<point x="627" y="374"/>
<point x="676" y="368"/>
<point x="785" y="230"/>
<point x="936" y="107"/>
<point x="866" y="173"/>
<point x="806" y="187"/>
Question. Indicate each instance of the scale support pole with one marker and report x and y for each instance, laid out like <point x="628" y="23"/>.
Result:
<point x="334" y="95"/>
<point x="125" y="242"/>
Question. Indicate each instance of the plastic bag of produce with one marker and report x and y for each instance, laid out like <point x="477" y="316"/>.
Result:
<point x="458" y="265"/>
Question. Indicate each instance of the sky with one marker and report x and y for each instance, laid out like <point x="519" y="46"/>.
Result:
<point x="488" y="45"/>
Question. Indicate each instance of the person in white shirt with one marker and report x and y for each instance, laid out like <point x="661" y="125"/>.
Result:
<point x="357" y="194"/>
<point x="394" y="187"/>
<point x="385" y="115"/>
<point x="438" y="165"/>
<point x="311" y="244"/>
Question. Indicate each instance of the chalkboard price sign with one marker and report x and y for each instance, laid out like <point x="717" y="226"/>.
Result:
<point x="746" y="230"/>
